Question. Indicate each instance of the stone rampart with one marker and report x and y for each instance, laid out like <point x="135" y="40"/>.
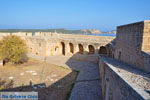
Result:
<point x="121" y="82"/>
<point x="131" y="40"/>
<point x="51" y="44"/>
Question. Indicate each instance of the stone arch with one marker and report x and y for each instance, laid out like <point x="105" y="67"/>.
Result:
<point x="81" y="50"/>
<point x="102" y="50"/>
<point x="109" y="48"/>
<point x="56" y="48"/>
<point x="63" y="48"/>
<point x="91" y="49"/>
<point x="71" y="47"/>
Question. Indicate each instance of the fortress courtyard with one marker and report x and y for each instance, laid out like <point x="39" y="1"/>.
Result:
<point x="83" y="67"/>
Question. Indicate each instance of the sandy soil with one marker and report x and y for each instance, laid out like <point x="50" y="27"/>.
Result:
<point x="52" y="82"/>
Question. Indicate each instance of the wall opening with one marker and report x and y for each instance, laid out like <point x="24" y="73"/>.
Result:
<point x="110" y="53"/>
<point x="119" y="57"/>
<point x="102" y="50"/>
<point x="91" y="49"/>
<point x="56" y="48"/>
<point x="63" y="48"/>
<point x="109" y="48"/>
<point x="36" y="53"/>
<point x="71" y="47"/>
<point x="81" y="49"/>
<point x="113" y="56"/>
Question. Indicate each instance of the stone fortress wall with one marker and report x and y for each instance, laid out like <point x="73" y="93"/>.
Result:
<point x="52" y="44"/>
<point x="133" y="44"/>
<point x="123" y="62"/>
<point x="126" y="75"/>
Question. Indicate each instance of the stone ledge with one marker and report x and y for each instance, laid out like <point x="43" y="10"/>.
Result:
<point x="130" y="77"/>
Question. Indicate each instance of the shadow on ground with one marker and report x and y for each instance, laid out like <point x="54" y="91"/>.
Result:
<point x="84" y="87"/>
<point x="59" y="90"/>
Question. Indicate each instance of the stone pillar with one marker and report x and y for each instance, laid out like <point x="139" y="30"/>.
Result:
<point x="67" y="49"/>
<point x="86" y="49"/>
<point x="76" y="48"/>
<point x="1" y="62"/>
<point x="96" y="50"/>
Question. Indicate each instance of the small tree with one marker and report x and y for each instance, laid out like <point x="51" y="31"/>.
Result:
<point x="13" y="49"/>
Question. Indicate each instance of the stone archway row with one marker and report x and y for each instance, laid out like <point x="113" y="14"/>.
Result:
<point x="81" y="49"/>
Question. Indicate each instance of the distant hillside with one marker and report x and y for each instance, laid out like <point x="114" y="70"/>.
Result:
<point x="91" y="31"/>
<point x="110" y="32"/>
<point x="83" y="31"/>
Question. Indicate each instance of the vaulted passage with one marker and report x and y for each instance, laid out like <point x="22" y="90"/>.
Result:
<point x="81" y="49"/>
<point x="91" y="49"/>
<point x="102" y="50"/>
<point x="63" y="48"/>
<point x="71" y="47"/>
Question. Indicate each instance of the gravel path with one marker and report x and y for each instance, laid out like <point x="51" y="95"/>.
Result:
<point x="87" y="86"/>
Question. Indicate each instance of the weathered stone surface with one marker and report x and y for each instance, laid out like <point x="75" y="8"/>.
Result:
<point x="121" y="82"/>
<point x="80" y="52"/>
<point x="132" y="43"/>
<point x="88" y="90"/>
<point x="50" y="44"/>
<point x="1" y="62"/>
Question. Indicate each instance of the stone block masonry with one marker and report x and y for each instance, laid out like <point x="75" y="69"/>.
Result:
<point x="52" y="44"/>
<point x="131" y="42"/>
<point x="121" y="82"/>
<point x="123" y="62"/>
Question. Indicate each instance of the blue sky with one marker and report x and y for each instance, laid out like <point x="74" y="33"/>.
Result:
<point x="72" y="14"/>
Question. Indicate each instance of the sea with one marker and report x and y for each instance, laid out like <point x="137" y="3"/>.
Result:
<point x="103" y="34"/>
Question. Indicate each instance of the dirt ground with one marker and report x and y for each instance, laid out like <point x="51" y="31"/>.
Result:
<point x="50" y="81"/>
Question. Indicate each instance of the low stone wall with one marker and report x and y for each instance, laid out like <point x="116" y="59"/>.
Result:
<point x="121" y="82"/>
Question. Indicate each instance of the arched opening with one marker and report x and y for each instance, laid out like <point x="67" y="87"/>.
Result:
<point x="109" y="50"/>
<point x="56" y="48"/>
<point x="36" y="53"/>
<point x="110" y="53"/>
<point x="91" y="49"/>
<point x="81" y="49"/>
<point x="30" y="49"/>
<point x="102" y="50"/>
<point x="119" y="57"/>
<point x="63" y="48"/>
<point x="71" y="47"/>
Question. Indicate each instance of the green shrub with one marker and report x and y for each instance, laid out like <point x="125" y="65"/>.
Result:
<point x="13" y="49"/>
